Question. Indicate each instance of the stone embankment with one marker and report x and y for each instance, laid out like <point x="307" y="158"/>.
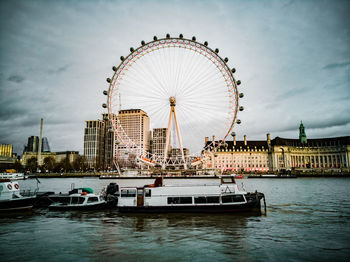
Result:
<point x="290" y="174"/>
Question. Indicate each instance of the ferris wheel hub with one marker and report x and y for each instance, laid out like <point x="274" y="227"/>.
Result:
<point x="172" y="101"/>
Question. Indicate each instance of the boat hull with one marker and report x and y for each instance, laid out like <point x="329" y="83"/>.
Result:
<point x="82" y="207"/>
<point x="16" y="204"/>
<point x="250" y="206"/>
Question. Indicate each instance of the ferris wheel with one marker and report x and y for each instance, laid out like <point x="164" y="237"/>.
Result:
<point x="182" y="85"/>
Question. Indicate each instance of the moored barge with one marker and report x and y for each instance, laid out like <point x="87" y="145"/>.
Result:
<point x="225" y="197"/>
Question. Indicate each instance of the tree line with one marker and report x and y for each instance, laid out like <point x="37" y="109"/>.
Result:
<point x="49" y="165"/>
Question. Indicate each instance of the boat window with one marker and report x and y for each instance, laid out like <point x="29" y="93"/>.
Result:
<point x="200" y="200"/>
<point x="148" y="193"/>
<point x="227" y="199"/>
<point x="77" y="200"/>
<point x="128" y="193"/>
<point x="213" y="199"/>
<point x="238" y="198"/>
<point x="179" y="200"/>
<point x="226" y="180"/>
<point x="92" y="199"/>
<point x="185" y="200"/>
<point x="232" y="198"/>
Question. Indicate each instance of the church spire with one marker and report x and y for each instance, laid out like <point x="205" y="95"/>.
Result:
<point x="302" y="134"/>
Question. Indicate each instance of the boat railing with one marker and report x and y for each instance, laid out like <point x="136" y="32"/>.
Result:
<point x="28" y="193"/>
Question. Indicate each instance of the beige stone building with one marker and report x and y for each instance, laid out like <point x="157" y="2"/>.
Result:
<point x="323" y="153"/>
<point x="281" y="154"/>
<point x="58" y="156"/>
<point x="240" y="156"/>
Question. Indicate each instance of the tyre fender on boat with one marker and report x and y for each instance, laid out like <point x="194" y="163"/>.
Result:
<point x="16" y="186"/>
<point x="9" y="186"/>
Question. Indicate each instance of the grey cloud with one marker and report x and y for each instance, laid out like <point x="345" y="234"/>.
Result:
<point x="317" y="124"/>
<point x="16" y="79"/>
<point x="59" y="70"/>
<point x="49" y="37"/>
<point x="336" y="65"/>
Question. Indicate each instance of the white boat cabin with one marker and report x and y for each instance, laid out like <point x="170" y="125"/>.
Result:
<point x="157" y="194"/>
<point x="9" y="190"/>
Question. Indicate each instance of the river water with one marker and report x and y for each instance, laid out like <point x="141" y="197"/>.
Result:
<point x="308" y="219"/>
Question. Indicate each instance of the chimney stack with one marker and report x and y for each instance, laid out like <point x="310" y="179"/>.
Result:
<point x="213" y="139"/>
<point x="268" y="138"/>
<point x="234" y="139"/>
<point x="40" y="142"/>
<point x="245" y="140"/>
<point x="206" y="139"/>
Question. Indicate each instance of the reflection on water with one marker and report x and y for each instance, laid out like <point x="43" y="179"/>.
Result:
<point x="307" y="220"/>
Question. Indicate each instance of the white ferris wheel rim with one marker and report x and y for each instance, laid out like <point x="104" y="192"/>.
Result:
<point x="171" y="42"/>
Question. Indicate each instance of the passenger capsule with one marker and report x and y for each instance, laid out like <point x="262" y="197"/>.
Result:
<point x="143" y="42"/>
<point x="233" y="70"/>
<point x="108" y="80"/>
<point x="233" y="133"/>
<point x="238" y="121"/>
<point x="181" y="36"/>
<point x="206" y="43"/>
<point x="217" y="50"/>
<point x="241" y="95"/>
<point x="155" y="38"/>
<point x="167" y="35"/>
<point x="215" y="154"/>
<point x="241" y="108"/>
<point x="193" y="38"/>
<point x="104" y="105"/>
<point x="122" y="58"/>
<point x="117" y="142"/>
<point x="131" y="49"/>
<point x="105" y="92"/>
<point x="114" y="68"/>
<point x="226" y="59"/>
<point x="238" y="82"/>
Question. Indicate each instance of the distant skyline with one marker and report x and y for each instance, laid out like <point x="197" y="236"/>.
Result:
<point x="293" y="58"/>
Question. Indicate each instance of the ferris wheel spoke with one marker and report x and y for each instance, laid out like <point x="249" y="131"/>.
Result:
<point x="194" y="75"/>
<point x="151" y="75"/>
<point x="159" y="69"/>
<point x="207" y="80"/>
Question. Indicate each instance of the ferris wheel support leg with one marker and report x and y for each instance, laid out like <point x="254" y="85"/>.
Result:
<point x="117" y="166"/>
<point x="167" y="138"/>
<point x="179" y="138"/>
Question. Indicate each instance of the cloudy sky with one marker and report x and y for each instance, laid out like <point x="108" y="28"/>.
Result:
<point x="293" y="58"/>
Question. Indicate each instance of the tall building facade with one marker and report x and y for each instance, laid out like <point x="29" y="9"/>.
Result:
<point x="109" y="138"/>
<point x="159" y="141"/>
<point x="94" y="136"/>
<point x="136" y="125"/>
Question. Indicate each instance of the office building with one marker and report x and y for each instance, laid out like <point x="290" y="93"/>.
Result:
<point x="159" y="141"/>
<point x="136" y="125"/>
<point x="94" y="136"/>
